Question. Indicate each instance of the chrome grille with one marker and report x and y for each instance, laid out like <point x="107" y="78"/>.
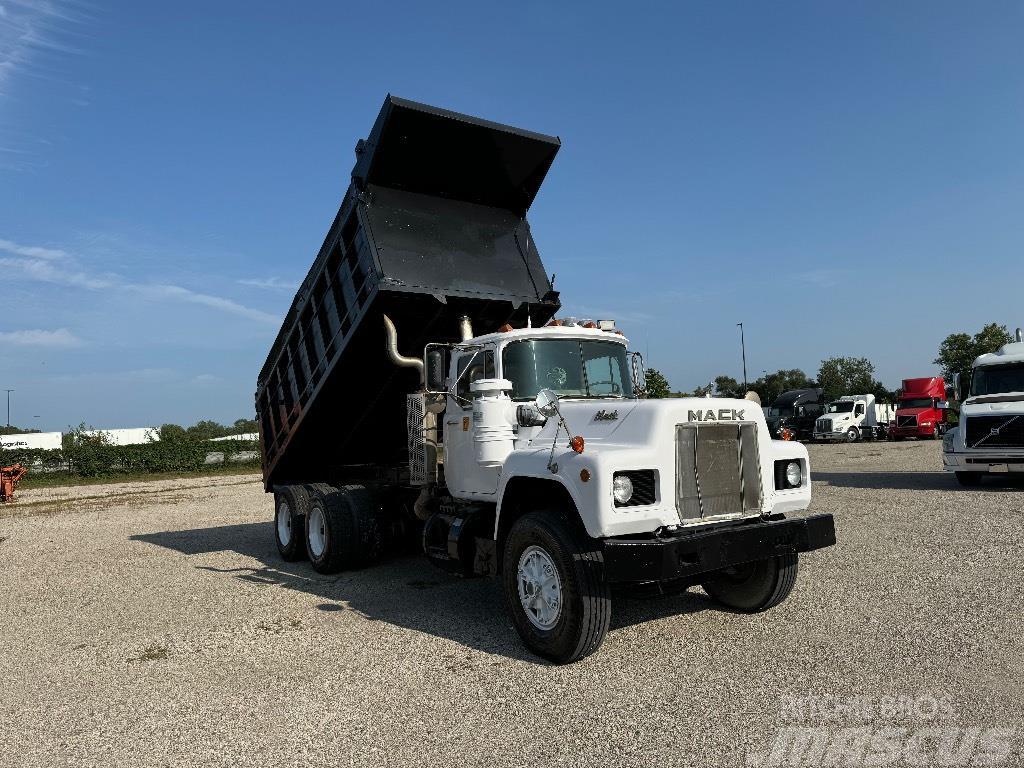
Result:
<point x="906" y="421"/>
<point x="717" y="470"/>
<point x="823" y="425"/>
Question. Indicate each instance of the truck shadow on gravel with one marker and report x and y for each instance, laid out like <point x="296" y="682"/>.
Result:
<point x="404" y="590"/>
<point x="913" y="481"/>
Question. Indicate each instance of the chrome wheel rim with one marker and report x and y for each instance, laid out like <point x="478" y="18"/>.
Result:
<point x="284" y="523"/>
<point x="540" y="588"/>
<point x="317" y="532"/>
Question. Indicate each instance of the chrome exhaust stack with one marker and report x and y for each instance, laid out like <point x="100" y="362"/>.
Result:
<point x="397" y="358"/>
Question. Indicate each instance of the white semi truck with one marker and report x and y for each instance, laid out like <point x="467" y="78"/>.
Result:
<point x="852" y="418"/>
<point x="422" y="385"/>
<point x="989" y="439"/>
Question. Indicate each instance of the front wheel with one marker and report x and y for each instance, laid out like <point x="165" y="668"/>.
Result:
<point x="969" y="479"/>
<point x="852" y="435"/>
<point x="554" y="587"/>
<point x="756" y="586"/>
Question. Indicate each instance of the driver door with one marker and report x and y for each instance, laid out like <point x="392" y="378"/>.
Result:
<point x="466" y="478"/>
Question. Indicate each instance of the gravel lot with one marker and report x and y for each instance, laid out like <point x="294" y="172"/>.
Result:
<point x="152" y="624"/>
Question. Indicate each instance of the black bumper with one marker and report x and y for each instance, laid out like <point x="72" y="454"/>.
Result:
<point x="692" y="554"/>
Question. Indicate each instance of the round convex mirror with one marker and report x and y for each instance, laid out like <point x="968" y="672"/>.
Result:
<point x="547" y="402"/>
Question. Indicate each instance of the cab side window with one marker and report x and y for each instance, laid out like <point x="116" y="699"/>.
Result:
<point x="480" y="366"/>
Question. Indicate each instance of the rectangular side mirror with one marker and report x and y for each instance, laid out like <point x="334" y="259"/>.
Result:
<point x="636" y="364"/>
<point x="956" y="386"/>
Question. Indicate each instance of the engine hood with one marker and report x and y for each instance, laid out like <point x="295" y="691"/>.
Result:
<point x="1009" y="403"/>
<point x="609" y="421"/>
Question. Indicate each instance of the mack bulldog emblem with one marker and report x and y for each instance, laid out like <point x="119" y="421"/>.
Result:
<point x="604" y="415"/>
<point x="722" y="414"/>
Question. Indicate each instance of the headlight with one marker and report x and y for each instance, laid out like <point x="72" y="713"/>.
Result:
<point x="789" y="474"/>
<point x="794" y="475"/>
<point x="622" y="489"/>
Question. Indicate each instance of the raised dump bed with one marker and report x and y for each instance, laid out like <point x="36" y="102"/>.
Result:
<point x="432" y="227"/>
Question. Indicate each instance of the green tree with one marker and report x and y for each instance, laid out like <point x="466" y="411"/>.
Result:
<point x="206" y="430"/>
<point x="771" y="385"/>
<point x="172" y="433"/>
<point x="958" y="350"/>
<point x="727" y="386"/>
<point x="656" y="383"/>
<point x="848" y="376"/>
<point x="244" y="426"/>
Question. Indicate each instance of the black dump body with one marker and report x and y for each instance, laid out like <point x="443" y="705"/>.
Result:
<point x="433" y="227"/>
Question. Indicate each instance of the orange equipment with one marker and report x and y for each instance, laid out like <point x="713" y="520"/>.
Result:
<point x="9" y="477"/>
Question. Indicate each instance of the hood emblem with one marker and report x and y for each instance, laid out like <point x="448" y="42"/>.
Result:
<point x="722" y="414"/>
<point x="604" y="415"/>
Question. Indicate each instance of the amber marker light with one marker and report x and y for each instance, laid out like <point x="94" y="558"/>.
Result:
<point x="585" y="475"/>
<point x="576" y="444"/>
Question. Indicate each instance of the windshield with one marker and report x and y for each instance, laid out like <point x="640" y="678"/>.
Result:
<point x="996" y="379"/>
<point x="916" y="402"/>
<point x="570" y="367"/>
<point x="844" y="407"/>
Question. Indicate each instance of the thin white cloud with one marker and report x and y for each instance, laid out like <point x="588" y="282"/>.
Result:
<point x="269" y="283"/>
<point x="32" y="251"/>
<point x="36" y="337"/>
<point x="40" y="267"/>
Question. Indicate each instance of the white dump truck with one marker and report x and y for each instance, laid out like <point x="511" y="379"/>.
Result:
<point x="422" y="385"/>
<point x="852" y="418"/>
<point x="989" y="439"/>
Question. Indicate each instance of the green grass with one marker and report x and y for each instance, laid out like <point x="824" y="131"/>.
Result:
<point x="60" y="479"/>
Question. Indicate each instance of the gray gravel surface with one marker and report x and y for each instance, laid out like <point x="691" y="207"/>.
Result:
<point x="153" y="624"/>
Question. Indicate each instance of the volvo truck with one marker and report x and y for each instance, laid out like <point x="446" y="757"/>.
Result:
<point x="989" y="439"/>
<point x="921" y="409"/>
<point x="424" y="387"/>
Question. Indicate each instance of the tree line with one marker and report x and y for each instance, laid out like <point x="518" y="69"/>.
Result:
<point x="839" y="376"/>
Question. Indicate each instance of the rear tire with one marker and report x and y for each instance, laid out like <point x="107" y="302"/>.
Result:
<point x="342" y="529"/>
<point x="755" y="587"/>
<point x="969" y="479"/>
<point x="554" y="586"/>
<point x="291" y="505"/>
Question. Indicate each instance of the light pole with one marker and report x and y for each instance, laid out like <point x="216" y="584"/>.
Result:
<point x="8" y="391"/>
<point x="743" y="349"/>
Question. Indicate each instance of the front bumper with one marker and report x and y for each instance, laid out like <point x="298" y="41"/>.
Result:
<point x="918" y="431"/>
<point x="690" y="554"/>
<point x="978" y="462"/>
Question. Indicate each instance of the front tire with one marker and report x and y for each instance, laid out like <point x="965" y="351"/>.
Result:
<point x="342" y="528"/>
<point x="554" y="587"/>
<point x="755" y="587"/>
<point x="969" y="479"/>
<point x="852" y="435"/>
<point x="291" y="505"/>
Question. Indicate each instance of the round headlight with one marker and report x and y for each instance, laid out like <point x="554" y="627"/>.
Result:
<point x="622" y="489"/>
<point x="794" y="474"/>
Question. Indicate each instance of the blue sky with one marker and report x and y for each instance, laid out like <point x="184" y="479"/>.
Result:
<point x="845" y="178"/>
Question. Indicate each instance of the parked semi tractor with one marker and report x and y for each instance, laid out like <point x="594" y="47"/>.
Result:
<point x="921" y="409"/>
<point x="422" y="386"/>
<point x="792" y="415"/>
<point x="852" y="418"/>
<point x="990" y="436"/>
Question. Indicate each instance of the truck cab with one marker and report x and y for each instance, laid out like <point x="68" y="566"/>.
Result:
<point x="851" y="418"/>
<point x="989" y="439"/>
<point x="921" y="409"/>
<point x="792" y="415"/>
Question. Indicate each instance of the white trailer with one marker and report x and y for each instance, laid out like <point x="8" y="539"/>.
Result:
<point x="129" y="436"/>
<point x="853" y="417"/>
<point x="46" y="441"/>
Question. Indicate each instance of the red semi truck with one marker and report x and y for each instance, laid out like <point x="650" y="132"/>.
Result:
<point x="921" y="411"/>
